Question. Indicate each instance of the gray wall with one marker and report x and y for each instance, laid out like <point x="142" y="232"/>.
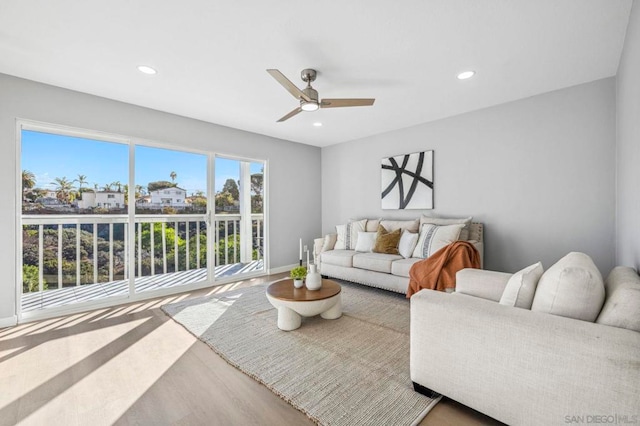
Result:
<point x="539" y="172"/>
<point x="294" y="169"/>
<point x="628" y="147"/>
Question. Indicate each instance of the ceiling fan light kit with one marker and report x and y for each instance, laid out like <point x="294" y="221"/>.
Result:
<point x="308" y="97"/>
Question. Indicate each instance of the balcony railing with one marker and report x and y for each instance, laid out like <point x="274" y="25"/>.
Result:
<point x="74" y="250"/>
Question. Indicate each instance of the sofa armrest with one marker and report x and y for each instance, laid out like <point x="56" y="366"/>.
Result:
<point x="480" y="283"/>
<point x="519" y="366"/>
<point x="317" y="249"/>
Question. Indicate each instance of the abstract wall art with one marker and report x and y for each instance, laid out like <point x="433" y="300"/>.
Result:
<point x="407" y="181"/>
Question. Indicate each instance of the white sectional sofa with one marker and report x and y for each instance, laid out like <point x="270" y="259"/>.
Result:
<point x="386" y="271"/>
<point x="564" y="350"/>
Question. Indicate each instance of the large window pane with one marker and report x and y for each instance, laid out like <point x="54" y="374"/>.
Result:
<point x="74" y="219"/>
<point x="239" y="219"/>
<point x="171" y="227"/>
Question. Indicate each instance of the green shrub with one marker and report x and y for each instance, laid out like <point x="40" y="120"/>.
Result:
<point x="30" y="279"/>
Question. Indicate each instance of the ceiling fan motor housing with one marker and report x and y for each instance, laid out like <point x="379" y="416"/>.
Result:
<point x="313" y="95"/>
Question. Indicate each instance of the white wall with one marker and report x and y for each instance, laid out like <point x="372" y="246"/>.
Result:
<point x="538" y="172"/>
<point x="628" y="147"/>
<point x="293" y="168"/>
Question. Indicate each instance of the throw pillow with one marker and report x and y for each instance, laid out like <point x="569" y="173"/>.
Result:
<point x="348" y="234"/>
<point x="622" y="305"/>
<point x="386" y="242"/>
<point x="366" y="241"/>
<point x="521" y="287"/>
<point x="371" y="226"/>
<point x="433" y="238"/>
<point x="571" y="288"/>
<point x="464" y="234"/>
<point x="329" y="242"/>
<point x="409" y="225"/>
<point x="407" y="244"/>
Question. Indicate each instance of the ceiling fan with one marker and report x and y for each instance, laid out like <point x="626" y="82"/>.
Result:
<point x="308" y="97"/>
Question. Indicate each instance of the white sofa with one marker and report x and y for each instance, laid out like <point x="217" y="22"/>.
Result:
<point x="386" y="271"/>
<point x="532" y="367"/>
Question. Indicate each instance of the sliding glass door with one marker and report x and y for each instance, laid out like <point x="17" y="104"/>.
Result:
<point x="105" y="217"/>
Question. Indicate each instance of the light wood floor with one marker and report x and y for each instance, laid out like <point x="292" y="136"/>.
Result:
<point x="132" y="365"/>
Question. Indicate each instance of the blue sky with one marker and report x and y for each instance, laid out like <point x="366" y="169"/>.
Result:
<point x="49" y="156"/>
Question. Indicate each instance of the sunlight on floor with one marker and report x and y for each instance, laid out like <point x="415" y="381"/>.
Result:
<point x="133" y="356"/>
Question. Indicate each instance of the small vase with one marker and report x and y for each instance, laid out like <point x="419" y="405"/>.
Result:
<point x="314" y="280"/>
<point x="297" y="283"/>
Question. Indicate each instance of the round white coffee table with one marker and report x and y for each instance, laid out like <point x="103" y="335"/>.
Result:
<point x="293" y="303"/>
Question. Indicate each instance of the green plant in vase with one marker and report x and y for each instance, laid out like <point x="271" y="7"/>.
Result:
<point x="298" y="274"/>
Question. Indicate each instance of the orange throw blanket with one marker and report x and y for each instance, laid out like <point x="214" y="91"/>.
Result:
<point x="438" y="272"/>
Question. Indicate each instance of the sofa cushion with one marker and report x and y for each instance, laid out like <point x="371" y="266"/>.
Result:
<point x="466" y="221"/>
<point x="366" y="241"/>
<point x="378" y="262"/>
<point x="571" y="288"/>
<point x="386" y="242"/>
<point x="434" y="237"/>
<point x="407" y="244"/>
<point x="401" y="267"/>
<point x="409" y="225"/>
<point x="521" y="287"/>
<point x="348" y="234"/>
<point x="622" y="305"/>
<point x="339" y="258"/>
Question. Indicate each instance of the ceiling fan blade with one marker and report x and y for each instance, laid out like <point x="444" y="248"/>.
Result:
<point x="291" y="114"/>
<point x="339" y="103"/>
<point x="287" y="84"/>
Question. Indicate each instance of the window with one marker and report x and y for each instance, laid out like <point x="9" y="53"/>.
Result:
<point x="154" y="222"/>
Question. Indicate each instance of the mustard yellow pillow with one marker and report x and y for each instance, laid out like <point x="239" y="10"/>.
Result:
<point x="387" y="242"/>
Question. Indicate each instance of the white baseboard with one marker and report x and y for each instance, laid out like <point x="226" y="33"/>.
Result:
<point x="8" y="321"/>
<point x="280" y="269"/>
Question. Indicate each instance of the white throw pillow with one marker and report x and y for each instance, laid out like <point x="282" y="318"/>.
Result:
<point x="329" y="242"/>
<point x="571" y="288"/>
<point x="434" y="237"/>
<point x="366" y="241"/>
<point x="464" y="234"/>
<point x="408" y="241"/>
<point x="348" y="234"/>
<point x="521" y="287"/>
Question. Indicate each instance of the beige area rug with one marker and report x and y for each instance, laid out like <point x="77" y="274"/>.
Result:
<point x="349" y="371"/>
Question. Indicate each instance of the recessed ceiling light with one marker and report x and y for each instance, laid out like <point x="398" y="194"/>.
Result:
<point x="146" y="69"/>
<point x="466" y="74"/>
<point x="318" y="124"/>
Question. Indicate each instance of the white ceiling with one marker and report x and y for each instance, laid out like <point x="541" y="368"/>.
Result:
<point x="211" y="56"/>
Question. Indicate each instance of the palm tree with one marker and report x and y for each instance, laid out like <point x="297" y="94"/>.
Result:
<point x="107" y="187"/>
<point x="173" y="176"/>
<point x="117" y="185"/>
<point x="82" y="180"/>
<point x="139" y="191"/>
<point x="28" y="181"/>
<point x="63" y="189"/>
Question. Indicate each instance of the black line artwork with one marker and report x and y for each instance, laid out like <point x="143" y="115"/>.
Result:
<point x="407" y="181"/>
